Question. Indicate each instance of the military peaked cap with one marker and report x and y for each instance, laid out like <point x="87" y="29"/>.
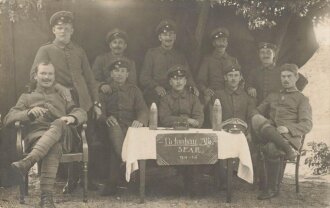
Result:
<point x="289" y="67"/>
<point x="117" y="63"/>
<point x="115" y="33"/>
<point x="219" y="33"/>
<point x="231" y="67"/>
<point x="165" y="26"/>
<point x="267" y="45"/>
<point x="177" y="70"/>
<point x="60" y="18"/>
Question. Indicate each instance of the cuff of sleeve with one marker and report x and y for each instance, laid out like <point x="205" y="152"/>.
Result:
<point x="75" y="120"/>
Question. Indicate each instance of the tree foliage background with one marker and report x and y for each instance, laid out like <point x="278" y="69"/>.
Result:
<point x="259" y="13"/>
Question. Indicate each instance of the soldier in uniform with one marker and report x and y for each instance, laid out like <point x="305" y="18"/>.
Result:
<point x="290" y="118"/>
<point x="153" y="77"/>
<point x="237" y="108"/>
<point x="117" y="42"/>
<point x="267" y="78"/>
<point x="74" y="77"/>
<point x="211" y="74"/>
<point x="181" y="107"/>
<point x="235" y="102"/>
<point x="124" y="107"/>
<point x="50" y="120"/>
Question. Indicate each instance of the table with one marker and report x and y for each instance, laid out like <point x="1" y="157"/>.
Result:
<point x="140" y="145"/>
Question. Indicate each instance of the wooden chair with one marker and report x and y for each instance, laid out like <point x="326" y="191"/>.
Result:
<point x="297" y="164"/>
<point x="66" y="158"/>
<point x="282" y="167"/>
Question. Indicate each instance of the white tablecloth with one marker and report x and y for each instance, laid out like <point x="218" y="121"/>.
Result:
<point x="140" y="144"/>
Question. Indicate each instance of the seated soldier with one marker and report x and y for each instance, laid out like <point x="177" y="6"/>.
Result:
<point x="122" y="108"/>
<point x="49" y="120"/>
<point x="180" y="105"/>
<point x="290" y="118"/>
<point x="235" y="104"/>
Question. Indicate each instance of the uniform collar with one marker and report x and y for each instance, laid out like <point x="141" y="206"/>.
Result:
<point x="270" y="67"/>
<point x="45" y="91"/>
<point x="238" y="91"/>
<point x="110" y="55"/>
<point x="62" y="46"/>
<point x="163" y="50"/>
<point x="215" y="54"/>
<point x="289" y="90"/>
<point x="123" y="87"/>
<point x="181" y="94"/>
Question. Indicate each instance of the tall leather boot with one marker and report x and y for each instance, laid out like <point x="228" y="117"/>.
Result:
<point x="274" y="166"/>
<point x="270" y="133"/>
<point x="272" y="184"/>
<point x="23" y="166"/>
<point x="46" y="200"/>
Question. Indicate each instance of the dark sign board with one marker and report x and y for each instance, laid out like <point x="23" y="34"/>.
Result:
<point x="186" y="149"/>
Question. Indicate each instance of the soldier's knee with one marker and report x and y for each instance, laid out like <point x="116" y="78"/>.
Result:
<point x="259" y="122"/>
<point x="58" y="123"/>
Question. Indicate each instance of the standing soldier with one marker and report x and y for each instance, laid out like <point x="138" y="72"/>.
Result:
<point x="117" y="42"/>
<point x="74" y="77"/>
<point x="267" y="78"/>
<point x="211" y="75"/>
<point x="158" y="60"/>
<point x="283" y="118"/>
<point x="123" y="107"/>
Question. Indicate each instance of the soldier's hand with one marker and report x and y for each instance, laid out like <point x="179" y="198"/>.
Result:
<point x="282" y="129"/>
<point x="193" y="122"/>
<point x="209" y="92"/>
<point x="252" y="92"/>
<point x="98" y="112"/>
<point x="106" y="89"/>
<point x="137" y="124"/>
<point x="160" y="91"/>
<point x="68" y="119"/>
<point x="195" y="91"/>
<point x="111" y="121"/>
<point x="37" y="111"/>
<point x="64" y="92"/>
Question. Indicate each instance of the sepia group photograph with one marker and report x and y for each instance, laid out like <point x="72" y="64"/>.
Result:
<point x="164" y="103"/>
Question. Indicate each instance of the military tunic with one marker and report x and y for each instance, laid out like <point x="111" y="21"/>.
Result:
<point x="290" y="109"/>
<point x="211" y="74"/>
<point x="156" y="63"/>
<point x="126" y="104"/>
<point x="265" y="80"/>
<point x="102" y="74"/>
<point x="72" y="70"/>
<point x="235" y="104"/>
<point x="51" y="100"/>
<point x="178" y="107"/>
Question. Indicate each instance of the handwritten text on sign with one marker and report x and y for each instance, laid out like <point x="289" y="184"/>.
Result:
<point x="186" y="149"/>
